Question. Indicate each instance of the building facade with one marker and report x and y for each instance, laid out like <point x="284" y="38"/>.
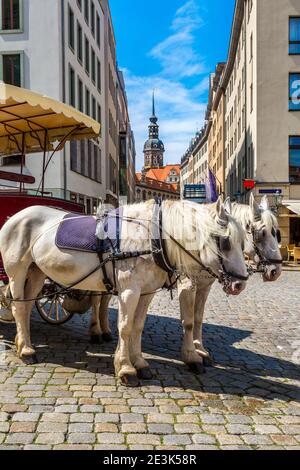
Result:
<point x="194" y="163"/>
<point x="66" y="49"/>
<point x="262" y="84"/>
<point x="260" y="91"/>
<point x="215" y="115"/>
<point x="126" y="147"/>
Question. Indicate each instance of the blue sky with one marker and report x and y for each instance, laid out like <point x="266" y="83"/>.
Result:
<point x="171" y="46"/>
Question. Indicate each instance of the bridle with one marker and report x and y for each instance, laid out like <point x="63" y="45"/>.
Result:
<point x="257" y="237"/>
<point x="225" y="277"/>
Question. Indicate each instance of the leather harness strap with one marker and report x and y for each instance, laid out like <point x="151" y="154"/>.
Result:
<point x="160" y="255"/>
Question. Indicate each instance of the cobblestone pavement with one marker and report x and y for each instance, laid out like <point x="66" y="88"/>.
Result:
<point x="249" y="400"/>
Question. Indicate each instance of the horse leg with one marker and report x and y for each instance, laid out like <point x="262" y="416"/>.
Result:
<point x="104" y="318"/>
<point x="201" y="298"/>
<point x="95" y="330"/>
<point x="128" y="302"/>
<point x="136" y="356"/>
<point x="100" y="320"/>
<point x="187" y="298"/>
<point x="25" y="288"/>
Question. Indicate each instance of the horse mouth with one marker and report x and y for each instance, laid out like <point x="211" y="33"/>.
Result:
<point x="235" y="288"/>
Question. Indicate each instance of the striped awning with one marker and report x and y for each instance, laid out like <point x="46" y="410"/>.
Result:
<point x="30" y="122"/>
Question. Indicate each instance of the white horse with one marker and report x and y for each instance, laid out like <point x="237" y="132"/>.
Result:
<point x="262" y="239"/>
<point x="262" y="246"/>
<point x="195" y="236"/>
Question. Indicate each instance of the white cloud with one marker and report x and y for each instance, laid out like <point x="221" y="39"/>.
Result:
<point x="179" y="106"/>
<point x="176" y="53"/>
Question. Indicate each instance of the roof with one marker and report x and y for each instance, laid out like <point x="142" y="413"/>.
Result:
<point x="161" y="174"/>
<point x="30" y="122"/>
<point x="154" y="144"/>
<point x="155" y="184"/>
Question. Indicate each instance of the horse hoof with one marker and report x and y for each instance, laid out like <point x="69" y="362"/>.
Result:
<point x="107" y="337"/>
<point x="95" y="339"/>
<point x="130" y="380"/>
<point x="196" y="368"/>
<point x="145" y="373"/>
<point x="208" y="361"/>
<point x="30" y="360"/>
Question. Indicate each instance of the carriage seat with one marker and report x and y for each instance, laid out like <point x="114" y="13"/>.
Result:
<point x="78" y="233"/>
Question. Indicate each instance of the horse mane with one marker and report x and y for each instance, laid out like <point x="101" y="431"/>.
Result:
<point x="243" y="213"/>
<point x="182" y="217"/>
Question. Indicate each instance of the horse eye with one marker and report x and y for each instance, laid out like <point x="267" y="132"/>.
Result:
<point x="225" y="244"/>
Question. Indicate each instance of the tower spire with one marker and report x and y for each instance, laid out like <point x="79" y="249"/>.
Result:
<point x="154" y="148"/>
<point x="153" y="104"/>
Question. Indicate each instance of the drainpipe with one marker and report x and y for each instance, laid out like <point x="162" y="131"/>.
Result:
<point x="63" y="90"/>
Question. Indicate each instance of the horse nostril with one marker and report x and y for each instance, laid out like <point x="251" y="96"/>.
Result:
<point x="238" y="286"/>
<point x="273" y="272"/>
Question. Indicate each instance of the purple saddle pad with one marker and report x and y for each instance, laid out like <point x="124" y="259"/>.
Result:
<point x="77" y="232"/>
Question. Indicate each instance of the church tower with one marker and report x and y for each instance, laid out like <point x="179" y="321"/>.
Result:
<point x="154" y="148"/>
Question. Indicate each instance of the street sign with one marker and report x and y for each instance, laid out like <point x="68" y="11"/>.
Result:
<point x="195" y="192"/>
<point x="270" y="191"/>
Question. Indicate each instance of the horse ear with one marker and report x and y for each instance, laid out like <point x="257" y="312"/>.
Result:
<point x="264" y="203"/>
<point x="255" y="208"/>
<point x="227" y="205"/>
<point x="222" y="218"/>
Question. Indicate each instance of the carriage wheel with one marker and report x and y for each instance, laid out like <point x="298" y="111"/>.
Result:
<point x="50" y="307"/>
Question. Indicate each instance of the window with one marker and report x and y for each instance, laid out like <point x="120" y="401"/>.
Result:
<point x="99" y="113"/>
<point x="73" y="154"/>
<point x="112" y="175"/>
<point x="294" y="47"/>
<point x="250" y="5"/>
<point x="72" y="87"/>
<point x="80" y="95"/>
<point x="71" y="29"/>
<point x="251" y="98"/>
<point x="93" y="66"/>
<point x="87" y="102"/>
<point x="98" y="30"/>
<point x="11" y="16"/>
<point x="11" y="69"/>
<point x="99" y="75"/>
<point x="93" y="18"/>
<point x="294" y="98"/>
<point x="93" y="107"/>
<point x="294" y="159"/>
<point x="97" y="164"/>
<point x="90" y="158"/>
<point x="251" y="47"/>
<point x="82" y="157"/>
<point x="79" y="43"/>
<point x="86" y="11"/>
<point x="87" y="56"/>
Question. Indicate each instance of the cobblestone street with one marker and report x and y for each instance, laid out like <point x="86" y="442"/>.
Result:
<point x="250" y="399"/>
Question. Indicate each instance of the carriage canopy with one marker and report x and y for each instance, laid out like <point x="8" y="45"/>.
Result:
<point x="30" y="122"/>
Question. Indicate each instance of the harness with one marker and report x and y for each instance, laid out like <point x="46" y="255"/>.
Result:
<point x="160" y="256"/>
<point x="263" y="260"/>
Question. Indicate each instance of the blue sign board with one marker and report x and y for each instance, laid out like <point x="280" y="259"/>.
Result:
<point x="270" y="191"/>
<point x="195" y="192"/>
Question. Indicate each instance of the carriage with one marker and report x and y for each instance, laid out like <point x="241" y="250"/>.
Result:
<point x="34" y="124"/>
